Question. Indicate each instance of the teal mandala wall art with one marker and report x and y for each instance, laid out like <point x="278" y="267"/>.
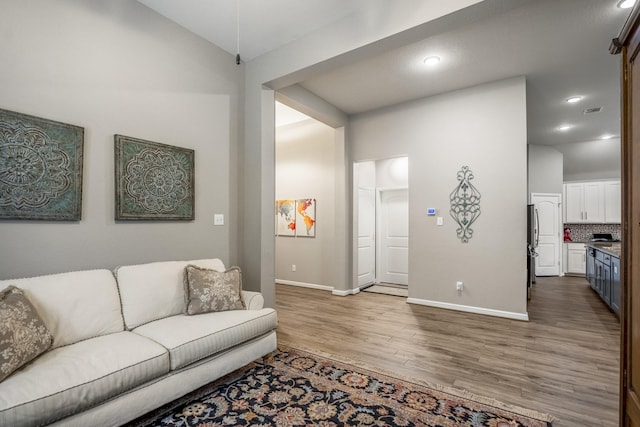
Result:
<point x="153" y="181"/>
<point x="40" y="168"/>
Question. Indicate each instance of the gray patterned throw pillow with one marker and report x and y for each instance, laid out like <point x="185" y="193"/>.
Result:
<point x="210" y="290"/>
<point x="23" y="334"/>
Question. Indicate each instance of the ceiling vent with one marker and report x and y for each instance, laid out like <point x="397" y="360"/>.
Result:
<point x="593" y="110"/>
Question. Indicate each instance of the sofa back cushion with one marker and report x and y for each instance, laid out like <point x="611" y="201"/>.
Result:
<point x="74" y="306"/>
<point x="154" y="291"/>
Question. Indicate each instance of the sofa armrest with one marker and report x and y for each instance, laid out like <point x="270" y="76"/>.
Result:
<point x="252" y="300"/>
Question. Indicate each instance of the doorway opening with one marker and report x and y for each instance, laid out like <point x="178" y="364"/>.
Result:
<point x="381" y="220"/>
<point x="310" y="186"/>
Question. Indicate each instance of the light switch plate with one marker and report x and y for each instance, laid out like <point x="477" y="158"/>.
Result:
<point x="439" y="220"/>
<point x="218" y="219"/>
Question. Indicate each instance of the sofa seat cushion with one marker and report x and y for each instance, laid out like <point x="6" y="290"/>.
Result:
<point x="192" y="338"/>
<point x="70" y="379"/>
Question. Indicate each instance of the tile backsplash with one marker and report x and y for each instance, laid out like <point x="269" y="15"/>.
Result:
<point x="583" y="232"/>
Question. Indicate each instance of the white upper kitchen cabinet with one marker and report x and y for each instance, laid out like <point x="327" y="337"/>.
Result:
<point x="612" y="202"/>
<point x="592" y="202"/>
<point x="573" y="203"/>
<point x="584" y="202"/>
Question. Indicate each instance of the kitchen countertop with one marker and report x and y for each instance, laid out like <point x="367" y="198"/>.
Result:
<point x="612" y="248"/>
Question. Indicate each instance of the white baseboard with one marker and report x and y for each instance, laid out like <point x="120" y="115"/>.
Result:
<point x="331" y="289"/>
<point x="342" y="293"/>
<point x="304" y="285"/>
<point x="470" y="309"/>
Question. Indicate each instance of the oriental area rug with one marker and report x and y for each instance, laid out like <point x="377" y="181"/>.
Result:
<point x="300" y="388"/>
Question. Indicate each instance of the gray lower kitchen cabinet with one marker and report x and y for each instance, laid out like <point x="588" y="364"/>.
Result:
<point x="599" y="272"/>
<point x="615" y="285"/>
<point x="591" y="266"/>
<point x="603" y="274"/>
<point x="606" y="282"/>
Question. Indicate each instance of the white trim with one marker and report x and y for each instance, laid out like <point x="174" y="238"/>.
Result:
<point x="331" y="289"/>
<point x="471" y="309"/>
<point x="304" y="285"/>
<point x="342" y="293"/>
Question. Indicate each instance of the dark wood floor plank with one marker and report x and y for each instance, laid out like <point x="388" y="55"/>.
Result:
<point x="564" y="361"/>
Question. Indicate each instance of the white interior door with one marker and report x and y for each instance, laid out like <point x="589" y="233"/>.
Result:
<point x="366" y="236"/>
<point x="393" y="241"/>
<point x="547" y="216"/>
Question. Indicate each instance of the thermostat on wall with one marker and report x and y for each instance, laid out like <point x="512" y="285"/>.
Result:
<point x="431" y="211"/>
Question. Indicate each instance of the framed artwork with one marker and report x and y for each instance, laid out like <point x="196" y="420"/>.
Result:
<point x="306" y="217"/>
<point x="285" y="218"/>
<point x="40" y="168"/>
<point x="153" y="181"/>
<point x="296" y="217"/>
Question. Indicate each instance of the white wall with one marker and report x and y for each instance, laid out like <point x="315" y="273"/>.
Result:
<point x="591" y="160"/>
<point x="392" y="173"/>
<point x="349" y="38"/>
<point x="483" y="127"/>
<point x="118" y="67"/>
<point x="545" y="169"/>
<point x="305" y="169"/>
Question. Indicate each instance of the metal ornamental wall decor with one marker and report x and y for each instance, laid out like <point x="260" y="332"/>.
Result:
<point x="40" y="168"/>
<point x="153" y="181"/>
<point x="465" y="204"/>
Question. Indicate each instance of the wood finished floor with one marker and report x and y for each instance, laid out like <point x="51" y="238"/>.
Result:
<point x="564" y="361"/>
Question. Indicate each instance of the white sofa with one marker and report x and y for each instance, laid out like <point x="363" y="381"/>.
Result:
<point x="123" y="346"/>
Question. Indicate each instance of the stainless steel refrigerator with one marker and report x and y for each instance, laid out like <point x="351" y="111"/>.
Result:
<point x="532" y="244"/>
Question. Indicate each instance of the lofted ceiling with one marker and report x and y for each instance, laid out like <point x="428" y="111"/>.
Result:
<point x="561" y="46"/>
<point x="264" y="25"/>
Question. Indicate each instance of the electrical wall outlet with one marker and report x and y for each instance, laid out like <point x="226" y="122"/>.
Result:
<point x="293" y="267"/>
<point x="459" y="286"/>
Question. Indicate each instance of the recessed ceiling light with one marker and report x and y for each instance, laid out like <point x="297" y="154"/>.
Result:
<point x="606" y="136"/>
<point x="432" y="60"/>
<point x="574" y="99"/>
<point x="564" y="128"/>
<point x="626" y="4"/>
